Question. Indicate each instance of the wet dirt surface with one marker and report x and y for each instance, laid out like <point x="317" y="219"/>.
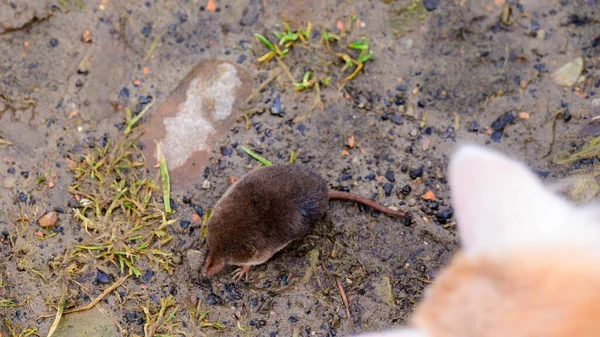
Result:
<point x="455" y="70"/>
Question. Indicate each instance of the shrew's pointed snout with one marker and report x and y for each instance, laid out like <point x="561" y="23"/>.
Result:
<point x="212" y="266"/>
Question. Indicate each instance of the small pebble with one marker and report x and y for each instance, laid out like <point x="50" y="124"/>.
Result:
<point x="124" y="93"/>
<point x="53" y="42"/>
<point x="283" y="279"/>
<point x="409" y="111"/>
<point x="226" y="151"/>
<point x="425" y="143"/>
<point x="387" y="188"/>
<point x="595" y="108"/>
<point x="416" y="173"/>
<point x="445" y="214"/>
<point x="567" y="115"/>
<point x="346" y="176"/>
<point x="276" y="108"/>
<point x="430" y="5"/>
<point x="48" y="220"/>
<point x="146" y="31"/>
<point x="473" y="126"/>
<point x="86" y="36"/>
<point x="505" y="119"/>
<point x="496" y="136"/>
<point x="389" y="175"/>
<point x="541" y="67"/>
<point x="406" y="190"/>
<point x="184" y="224"/>
<point x="534" y="26"/>
<point x="233" y="292"/>
<point x="213" y="299"/>
<point x="22" y="197"/>
<point x="147" y="276"/>
<point x="568" y="74"/>
<point x="177" y="258"/>
<point x="198" y="209"/>
<point x="250" y="14"/>
<point x="301" y="127"/>
<point x="145" y="99"/>
<point x="102" y="277"/>
<point x="432" y="204"/>
<point x="396" y="120"/>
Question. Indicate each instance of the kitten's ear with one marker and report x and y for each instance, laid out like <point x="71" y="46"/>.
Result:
<point x="405" y="332"/>
<point x="500" y="203"/>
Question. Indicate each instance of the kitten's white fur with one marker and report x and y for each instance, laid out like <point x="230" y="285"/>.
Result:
<point x="501" y="206"/>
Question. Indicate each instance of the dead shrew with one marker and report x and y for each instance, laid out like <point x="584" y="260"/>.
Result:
<point x="266" y="210"/>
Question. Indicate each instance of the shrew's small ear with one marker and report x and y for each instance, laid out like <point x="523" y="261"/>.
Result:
<point x="500" y="203"/>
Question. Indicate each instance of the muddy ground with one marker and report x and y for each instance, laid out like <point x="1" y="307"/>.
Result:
<point x="438" y="75"/>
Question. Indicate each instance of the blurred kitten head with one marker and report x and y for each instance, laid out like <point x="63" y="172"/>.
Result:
<point x="529" y="264"/>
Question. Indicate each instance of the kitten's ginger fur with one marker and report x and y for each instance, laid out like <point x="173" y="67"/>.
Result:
<point x="530" y="263"/>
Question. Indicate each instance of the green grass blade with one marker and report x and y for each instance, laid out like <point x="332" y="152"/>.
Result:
<point x="256" y="156"/>
<point x="364" y="58"/>
<point x="264" y="41"/>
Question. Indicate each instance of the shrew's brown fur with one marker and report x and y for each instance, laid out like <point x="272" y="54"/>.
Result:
<point x="265" y="211"/>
